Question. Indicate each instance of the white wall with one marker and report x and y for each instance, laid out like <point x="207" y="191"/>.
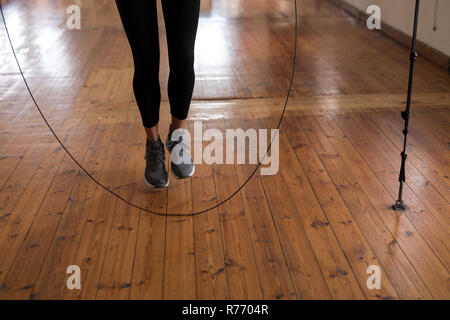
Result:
<point x="400" y="15"/>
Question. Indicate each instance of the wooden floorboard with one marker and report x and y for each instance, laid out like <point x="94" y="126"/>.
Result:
<point x="401" y="226"/>
<point x="40" y="234"/>
<point x="361" y="192"/>
<point x="116" y="273"/>
<point x="276" y="280"/>
<point x="211" y="275"/>
<point x="239" y="256"/>
<point x="180" y="263"/>
<point x="335" y="220"/>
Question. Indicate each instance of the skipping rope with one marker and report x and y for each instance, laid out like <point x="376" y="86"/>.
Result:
<point x="119" y="196"/>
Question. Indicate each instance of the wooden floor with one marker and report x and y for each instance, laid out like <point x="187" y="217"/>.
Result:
<point x="309" y="232"/>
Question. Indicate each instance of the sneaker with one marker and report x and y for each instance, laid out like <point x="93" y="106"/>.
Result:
<point x="155" y="171"/>
<point x="181" y="162"/>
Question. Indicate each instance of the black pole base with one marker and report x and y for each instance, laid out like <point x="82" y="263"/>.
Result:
<point x="399" y="206"/>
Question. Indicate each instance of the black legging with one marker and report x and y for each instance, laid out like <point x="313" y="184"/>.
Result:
<point x="140" y="21"/>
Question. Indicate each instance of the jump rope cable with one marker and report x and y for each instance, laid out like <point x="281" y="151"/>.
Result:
<point x="116" y="194"/>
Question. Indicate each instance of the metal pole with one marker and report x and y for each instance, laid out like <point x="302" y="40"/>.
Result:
<point x="399" y="204"/>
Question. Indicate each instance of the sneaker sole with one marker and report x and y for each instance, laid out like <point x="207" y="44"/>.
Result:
<point x="188" y="176"/>
<point x="158" y="187"/>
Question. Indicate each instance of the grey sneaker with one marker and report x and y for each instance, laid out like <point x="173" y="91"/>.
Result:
<point x="181" y="162"/>
<point x="155" y="171"/>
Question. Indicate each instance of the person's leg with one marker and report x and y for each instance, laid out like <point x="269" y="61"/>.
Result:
<point x="181" y="20"/>
<point x="140" y="21"/>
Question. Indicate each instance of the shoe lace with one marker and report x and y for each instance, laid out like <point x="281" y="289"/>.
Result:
<point x="155" y="153"/>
